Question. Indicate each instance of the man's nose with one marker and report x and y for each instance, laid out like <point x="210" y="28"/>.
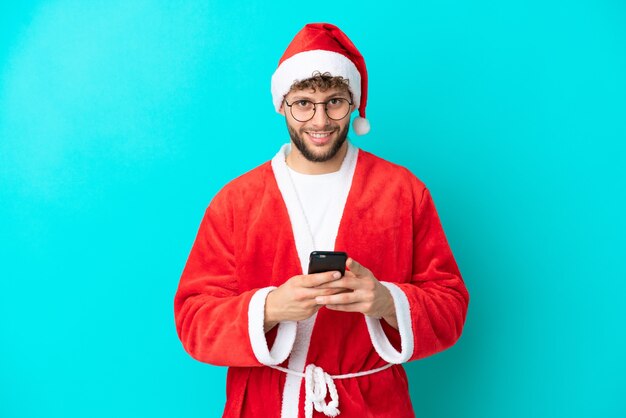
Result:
<point x="320" y="118"/>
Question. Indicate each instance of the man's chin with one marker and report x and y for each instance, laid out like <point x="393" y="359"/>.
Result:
<point x="319" y="156"/>
<point x="323" y="154"/>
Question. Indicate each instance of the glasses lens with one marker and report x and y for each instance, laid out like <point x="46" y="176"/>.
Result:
<point x="337" y="108"/>
<point x="302" y="110"/>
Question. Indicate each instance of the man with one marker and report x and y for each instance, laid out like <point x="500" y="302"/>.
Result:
<point x="320" y="344"/>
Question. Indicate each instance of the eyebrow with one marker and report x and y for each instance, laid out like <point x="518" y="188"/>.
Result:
<point x="331" y="96"/>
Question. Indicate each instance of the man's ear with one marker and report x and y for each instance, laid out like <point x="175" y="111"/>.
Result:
<point x="281" y="109"/>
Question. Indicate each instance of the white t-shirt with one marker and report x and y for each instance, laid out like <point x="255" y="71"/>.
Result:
<point x="321" y="202"/>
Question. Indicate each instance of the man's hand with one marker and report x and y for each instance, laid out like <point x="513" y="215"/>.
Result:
<point x="294" y="300"/>
<point x="367" y="295"/>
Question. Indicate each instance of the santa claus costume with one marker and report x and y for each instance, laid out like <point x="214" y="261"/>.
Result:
<point x="255" y="235"/>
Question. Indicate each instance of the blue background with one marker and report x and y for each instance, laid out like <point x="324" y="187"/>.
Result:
<point x="119" y="120"/>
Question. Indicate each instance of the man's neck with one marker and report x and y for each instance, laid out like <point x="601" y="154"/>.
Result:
<point x="296" y="161"/>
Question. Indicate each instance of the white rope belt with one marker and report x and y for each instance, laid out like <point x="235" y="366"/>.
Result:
<point x="318" y="384"/>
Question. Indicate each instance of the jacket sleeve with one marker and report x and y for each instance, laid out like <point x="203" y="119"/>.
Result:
<point x="216" y="322"/>
<point x="432" y="307"/>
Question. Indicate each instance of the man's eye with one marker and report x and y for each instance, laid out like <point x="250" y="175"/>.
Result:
<point x="303" y="104"/>
<point x="335" y="103"/>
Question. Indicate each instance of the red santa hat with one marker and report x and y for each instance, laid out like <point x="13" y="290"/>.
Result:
<point x="324" y="48"/>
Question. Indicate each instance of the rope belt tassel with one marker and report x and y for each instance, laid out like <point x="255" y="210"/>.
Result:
<point x="318" y="384"/>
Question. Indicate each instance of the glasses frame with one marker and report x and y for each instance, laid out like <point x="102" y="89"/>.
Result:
<point x="350" y="102"/>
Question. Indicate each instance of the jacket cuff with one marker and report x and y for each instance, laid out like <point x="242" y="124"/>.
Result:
<point x="285" y="335"/>
<point x="381" y="343"/>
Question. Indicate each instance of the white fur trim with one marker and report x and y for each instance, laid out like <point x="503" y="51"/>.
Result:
<point x="380" y="341"/>
<point x="360" y="125"/>
<point x="285" y="335"/>
<point x="297" y="361"/>
<point x="301" y="234"/>
<point x="302" y="66"/>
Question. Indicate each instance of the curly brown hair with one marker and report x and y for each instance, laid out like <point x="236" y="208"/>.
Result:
<point x="322" y="82"/>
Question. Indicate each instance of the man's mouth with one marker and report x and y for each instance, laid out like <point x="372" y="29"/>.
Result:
<point x="319" y="137"/>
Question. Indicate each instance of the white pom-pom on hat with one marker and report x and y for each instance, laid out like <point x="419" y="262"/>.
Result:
<point x="360" y="125"/>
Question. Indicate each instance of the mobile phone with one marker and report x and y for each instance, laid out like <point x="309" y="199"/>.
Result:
<point x="321" y="261"/>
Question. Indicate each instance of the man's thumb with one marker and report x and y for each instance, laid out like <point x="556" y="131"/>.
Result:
<point x="355" y="267"/>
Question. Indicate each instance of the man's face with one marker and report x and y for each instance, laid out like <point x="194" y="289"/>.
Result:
<point x="320" y="138"/>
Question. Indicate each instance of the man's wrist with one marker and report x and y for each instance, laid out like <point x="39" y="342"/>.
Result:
<point x="269" y="320"/>
<point x="390" y="313"/>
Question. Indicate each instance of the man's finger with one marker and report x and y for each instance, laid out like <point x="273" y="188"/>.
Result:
<point x="317" y="279"/>
<point x="351" y="307"/>
<point x="346" y="282"/>
<point x="309" y="294"/>
<point x="338" y="299"/>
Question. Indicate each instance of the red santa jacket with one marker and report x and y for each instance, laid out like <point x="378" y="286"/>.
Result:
<point x="246" y="245"/>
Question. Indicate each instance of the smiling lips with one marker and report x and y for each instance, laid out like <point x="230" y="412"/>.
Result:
<point x="319" y="138"/>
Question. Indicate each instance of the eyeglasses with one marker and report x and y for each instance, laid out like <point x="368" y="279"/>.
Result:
<point x="336" y="108"/>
